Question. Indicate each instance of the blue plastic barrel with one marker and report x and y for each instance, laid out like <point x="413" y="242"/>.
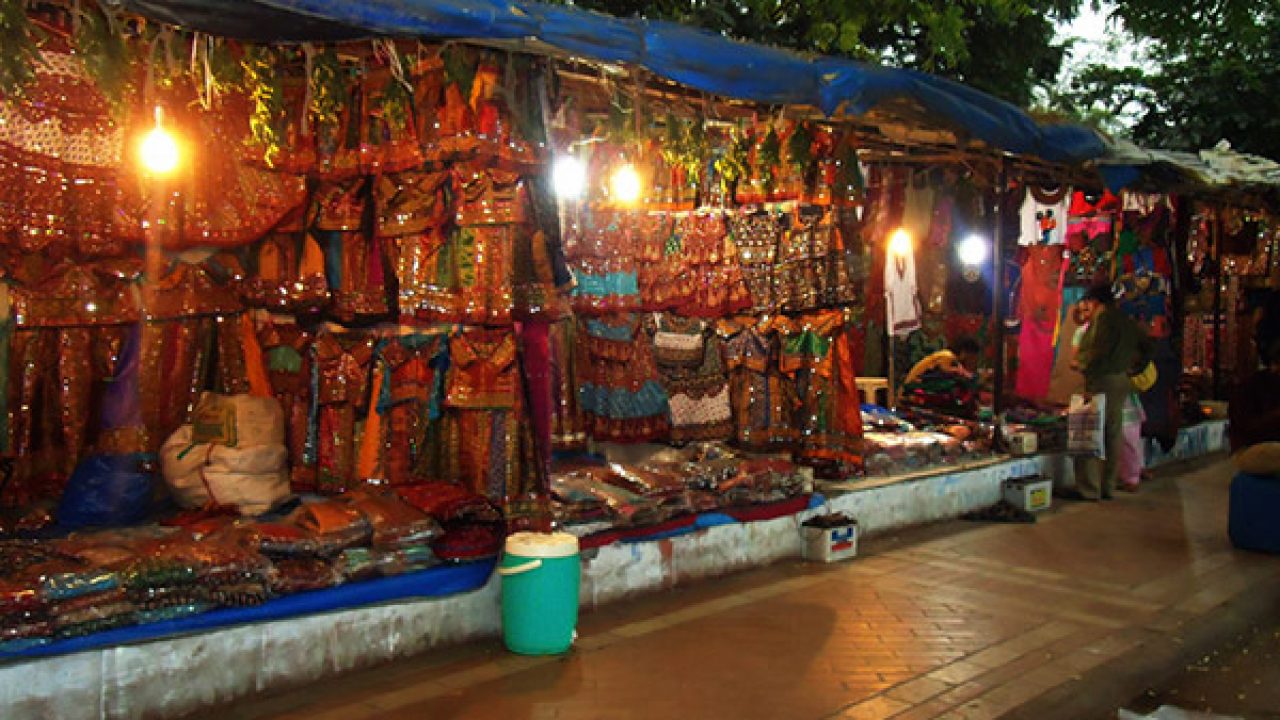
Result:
<point x="541" y="573"/>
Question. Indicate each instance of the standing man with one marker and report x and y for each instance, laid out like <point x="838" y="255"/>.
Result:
<point x="1112" y="348"/>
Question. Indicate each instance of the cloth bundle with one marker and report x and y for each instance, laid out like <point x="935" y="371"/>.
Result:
<point x="233" y="453"/>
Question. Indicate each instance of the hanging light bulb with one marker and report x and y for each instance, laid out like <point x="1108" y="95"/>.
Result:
<point x="159" y="151"/>
<point x="900" y="243"/>
<point x="626" y="185"/>
<point x="568" y="177"/>
<point x="973" y="250"/>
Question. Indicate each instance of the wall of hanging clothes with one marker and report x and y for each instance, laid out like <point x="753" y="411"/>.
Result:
<point x="392" y="284"/>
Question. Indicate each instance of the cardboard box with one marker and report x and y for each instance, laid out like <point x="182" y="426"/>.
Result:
<point x="1032" y="494"/>
<point x="1023" y="444"/>
<point x="830" y="544"/>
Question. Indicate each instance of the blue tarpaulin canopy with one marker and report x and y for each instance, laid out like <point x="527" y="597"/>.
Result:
<point x="701" y="60"/>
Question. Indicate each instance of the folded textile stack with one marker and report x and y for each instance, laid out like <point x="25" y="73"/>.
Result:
<point x="401" y="541"/>
<point x="943" y="391"/>
<point x="762" y="480"/>
<point x="472" y="526"/>
<point x="666" y="487"/>
<point x="889" y="453"/>
<point x="602" y="484"/>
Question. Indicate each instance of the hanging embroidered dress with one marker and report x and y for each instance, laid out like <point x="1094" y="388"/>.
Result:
<point x="482" y="420"/>
<point x="763" y="402"/>
<point x="621" y="396"/>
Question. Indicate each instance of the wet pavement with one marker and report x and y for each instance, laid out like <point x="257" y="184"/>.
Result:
<point x="1073" y="616"/>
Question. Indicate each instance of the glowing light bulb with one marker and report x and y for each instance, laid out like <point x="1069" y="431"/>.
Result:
<point x="626" y="185"/>
<point x="972" y="250"/>
<point x="900" y="243"/>
<point x="568" y="177"/>
<point x="159" y="149"/>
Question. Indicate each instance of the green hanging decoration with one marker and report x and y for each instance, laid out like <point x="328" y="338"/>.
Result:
<point x="800" y="147"/>
<point x="106" y="55"/>
<point x="519" y="91"/>
<point x="695" y="149"/>
<point x="770" y="157"/>
<point x="397" y="104"/>
<point x="459" y="69"/>
<point x="732" y="166"/>
<point x="226" y="73"/>
<point x="328" y="92"/>
<point x="671" y="140"/>
<point x="620" y="126"/>
<point x="20" y="40"/>
<point x="266" y="93"/>
<point x="684" y="146"/>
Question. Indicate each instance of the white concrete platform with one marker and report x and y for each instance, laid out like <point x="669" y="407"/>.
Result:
<point x="165" y="678"/>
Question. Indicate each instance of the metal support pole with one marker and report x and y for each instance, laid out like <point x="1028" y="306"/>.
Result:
<point x="997" y="286"/>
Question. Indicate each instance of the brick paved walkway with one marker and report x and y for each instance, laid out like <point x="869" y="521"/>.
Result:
<point x="957" y="620"/>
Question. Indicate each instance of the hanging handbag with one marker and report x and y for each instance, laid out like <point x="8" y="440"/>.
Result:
<point x="1146" y="379"/>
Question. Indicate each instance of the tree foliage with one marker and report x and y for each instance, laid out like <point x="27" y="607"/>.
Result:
<point x="1002" y="46"/>
<point x="1213" y="74"/>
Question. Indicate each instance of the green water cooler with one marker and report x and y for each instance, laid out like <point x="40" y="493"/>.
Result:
<point x="541" y="573"/>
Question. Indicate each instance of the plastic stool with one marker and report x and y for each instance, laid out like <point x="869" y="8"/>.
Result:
<point x="1253" y="521"/>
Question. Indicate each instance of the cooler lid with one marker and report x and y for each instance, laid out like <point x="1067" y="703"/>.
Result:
<point x="542" y="545"/>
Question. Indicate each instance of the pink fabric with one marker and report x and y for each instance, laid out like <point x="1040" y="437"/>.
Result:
<point x="535" y="338"/>
<point x="1035" y="360"/>
<point x="1131" y="455"/>
<point x="1081" y="231"/>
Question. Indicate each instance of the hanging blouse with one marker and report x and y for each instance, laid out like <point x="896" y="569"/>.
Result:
<point x="602" y="252"/>
<point x="757" y="237"/>
<point x="189" y="290"/>
<point x="811" y="269"/>
<point x="343" y="369"/>
<point x="409" y="203"/>
<point x="711" y="260"/>
<point x="482" y="371"/>
<point x="902" y="295"/>
<point x="699" y="397"/>
<point x="77" y="295"/>
<point x="677" y="342"/>
<point x="290" y="275"/>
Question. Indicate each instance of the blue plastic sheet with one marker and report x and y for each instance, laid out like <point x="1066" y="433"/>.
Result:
<point x="712" y="519"/>
<point x="699" y="59"/>
<point x="436" y="582"/>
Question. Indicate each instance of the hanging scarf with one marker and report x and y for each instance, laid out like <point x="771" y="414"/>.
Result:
<point x="255" y="369"/>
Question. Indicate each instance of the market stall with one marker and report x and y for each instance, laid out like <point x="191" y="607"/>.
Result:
<point x="311" y="326"/>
